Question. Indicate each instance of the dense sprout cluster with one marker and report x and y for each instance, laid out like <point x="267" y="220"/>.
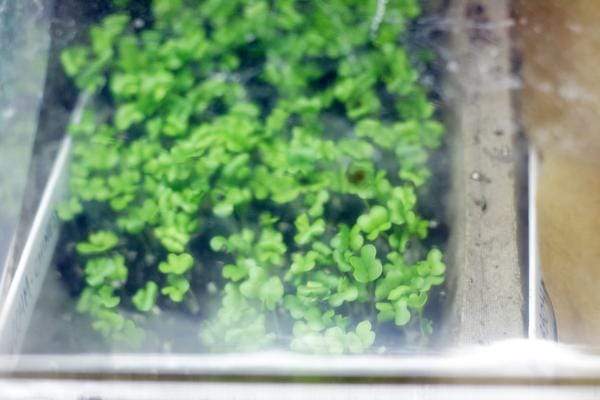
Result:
<point x="273" y="150"/>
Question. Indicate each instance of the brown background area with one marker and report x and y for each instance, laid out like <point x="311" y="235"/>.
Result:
<point x="560" y="48"/>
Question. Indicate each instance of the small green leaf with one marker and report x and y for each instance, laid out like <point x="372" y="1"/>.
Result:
<point x="295" y="306"/>
<point x="303" y="262"/>
<point x="342" y="260"/>
<point x="95" y="299"/>
<point x="307" y="231"/>
<point x="127" y="115"/>
<point x="74" y="59"/>
<point x="313" y="290"/>
<point x="124" y="85"/>
<point x="69" y="209"/>
<point x="177" y="264"/>
<point x="173" y="238"/>
<point x="106" y="270"/>
<point x="223" y="209"/>
<point x="130" y="334"/>
<point x="375" y="222"/>
<point x="86" y="126"/>
<point x="103" y="36"/>
<point x="417" y="301"/>
<point x="176" y="289"/>
<point x="365" y="334"/>
<point x="386" y="312"/>
<point x="402" y="315"/>
<point x="98" y="242"/>
<point x="348" y="239"/>
<point x="367" y="267"/>
<point x="335" y="339"/>
<point x="108" y="322"/>
<point x="392" y="280"/>
<point x="218" y="243"/>
<point x="165" y="9"/>
<point x="107" y="297"/>
<point x="401" y="204"/>
<point x="354" y="343"/>
<point x="435" y="280"/>
<point x="317" y="203"/>
<point x="239" y="271"/>
<point x="434" y="258"/>
<point x="145" y="299"/>
<point x="345" y="293"/>
<point x="257" y="277"/>
<point x="271" y="292"/>
<point x="399" y="239"/>
<point x="399" y="292"/>
<point x="271" y="248"/>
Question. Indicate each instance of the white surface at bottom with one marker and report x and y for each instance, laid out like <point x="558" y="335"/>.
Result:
<point x="96" y="390"/>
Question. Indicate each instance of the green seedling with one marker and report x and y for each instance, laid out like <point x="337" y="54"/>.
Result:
<point x="99" y="242"/>
<point x="367" y="266"/>
<point x="376" y="221"/>
<point x="176" y="288"/>
<point x="105" y="270"/>
<point x="69" y="209"/>
<point x="177" y="264"/>
<point x="307" y="230"/>
<point x="145" y="298"/>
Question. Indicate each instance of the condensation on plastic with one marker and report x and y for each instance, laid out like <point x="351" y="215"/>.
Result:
<point x="24" y="43"/>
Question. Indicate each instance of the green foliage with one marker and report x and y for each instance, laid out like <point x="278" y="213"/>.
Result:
<point x="367" y="266"/>
<point x="177" y="264"/>
<point x="105" y="270"/>
<point x="273" y="150"/>
<point x="176" y="288"/>
<point x="173" y="238"/>
<point x="306" y="230"/>
<point x="237" y="325"/>
<point x="104" y="277"/>
<point x="98" y="242"/>
<point x="334" y="340"/>
<point x="345" y="292"/>
<point x="375" y="222"/>
<point x="67" y="210"/>
<point x="405" y="288"/>
<point x="74" y="59"/>
<point x="145" y="298"/>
